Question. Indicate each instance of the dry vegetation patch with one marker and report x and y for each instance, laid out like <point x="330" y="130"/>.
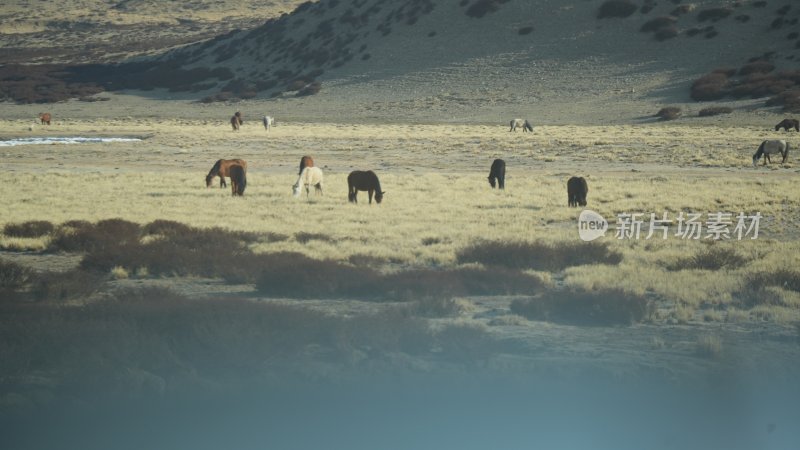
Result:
<point x="588" y="308"/>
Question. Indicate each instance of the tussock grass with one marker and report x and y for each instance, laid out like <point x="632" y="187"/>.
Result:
<point x="709" y="347"/>
<point x="616" y="8"/>
<point x="538" y="255"/>
<point x="712" y="258"/>
<point x="714" y="111"/>
<point x="29" y="229"/>
<point x="669" y="113"/>
<point x="13" y="276"/>
<point x="590" y="308"/>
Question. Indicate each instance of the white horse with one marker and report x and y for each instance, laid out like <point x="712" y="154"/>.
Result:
<point x="310" y="176"/>
<point x="771" y="147"/>
<point x="526" y="126"/>
<point x="268" y="122"/>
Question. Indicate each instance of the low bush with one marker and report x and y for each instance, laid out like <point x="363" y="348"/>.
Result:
<point x="13" y="276"/>
<point x="714" y="111"/>
<point x="29" y="229"/>
<point x="309" y="89"/>
<point x="63" y="286"/>
<point x="710" y="87"/>
<point x="588" y="308"/>
<point x="616" y="8"/>
<point x="757" y="67"/>
<point x="666" y="33"/>
<point x="537" y="255"/>
<point x="669" y="113"/>
<point x="712" y="258"/>
<point x="482" y="7"/>
<point x="658" y="23"/>
<point x="784" y="278"/>
<point x="714" y="14"/>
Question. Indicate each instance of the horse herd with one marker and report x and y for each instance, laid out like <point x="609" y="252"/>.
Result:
<point x="309" y="176"/>
<point x="358" y="180"/>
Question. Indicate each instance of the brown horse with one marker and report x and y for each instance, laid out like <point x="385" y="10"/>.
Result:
<point x="363" y="181"/>
<point x="236" y="121"/>
<point x="238" y="179"/>
<point x="45" y="118"/>
<point x="788" y="124"/>
<point x="305" y="161"/>
<point x="221" y="169"/>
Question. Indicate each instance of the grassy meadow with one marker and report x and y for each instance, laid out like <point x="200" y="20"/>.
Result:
<point x="445" y="271"/>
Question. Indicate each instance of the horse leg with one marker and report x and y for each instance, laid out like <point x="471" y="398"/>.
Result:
<point x="370" y="192"/>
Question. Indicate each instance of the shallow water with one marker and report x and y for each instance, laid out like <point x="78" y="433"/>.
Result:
<point x="64" y="140"/>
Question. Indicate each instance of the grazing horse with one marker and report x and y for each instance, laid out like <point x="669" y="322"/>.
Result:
<point x="769" y="148"/>
<point x="310" y="176"/>
<point x="45" y="118"/>
<point x="221" y="169"/>
<point x="268" y="121"/>
<point x="305" y="161"/>
<point x="498" y="172"/>
<point x="236" y="121"/>
<point x="238" y="179"/>
<point x="526" y="126"/>
<point x="576" y="191"/>
<point x="788" y="124"/>
<point x="359" y="180"/>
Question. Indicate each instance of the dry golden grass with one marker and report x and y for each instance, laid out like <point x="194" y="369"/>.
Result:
<point x="438" y="200"/>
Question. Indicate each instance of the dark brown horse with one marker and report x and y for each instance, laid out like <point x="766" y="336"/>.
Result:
<point x="363" y="181"/>
<point x="45" y="118"/>
<point x="221" y="169"/>
<point x="236" y="121"/>
<point x="498" y="173"/>
<point x="238" y="179"/>
<point x="305" y="161"/>
<point x="788" y="124"/>
<point x="576" y="191"/>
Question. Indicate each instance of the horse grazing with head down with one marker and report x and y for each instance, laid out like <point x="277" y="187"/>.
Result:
<point x="221" y="169"/>
<point x="310" y="176"/>
<point x="498" y="173"/>
<point x="788" y="124"/>
<point x="238" y="179"/>
<point x="44" y="118"/>
<point x="305" y="161"/>
<point x="576" y="191"/>
<point x="526" y="126"/>
<point x="360" y="180"/>
<point x="268" y="121"/>
<point x="236" y="121"/>
<point x="770" y="148"/>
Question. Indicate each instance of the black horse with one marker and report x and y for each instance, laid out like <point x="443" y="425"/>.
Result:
<point x="359" y="180"/>
<point x="238" y="176"/>
<point x="788" y="124"/>
<point x="498" y="173"/>
<point x="576" y="191"/>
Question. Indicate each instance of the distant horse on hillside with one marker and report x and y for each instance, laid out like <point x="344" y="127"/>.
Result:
<point x="526" y="126"/>
<point x="305" y="161"/>
<point x="770" y="148"/>
<point x="576" y="191"/>
<point x="498" y="173"/>
<point x="238" y="179"/>
<point x="268" y="121"/>
<point x="359" y="180"/>
<point x="788" y="124"/>
<point x="45" y="118"/>
<point x="310" y="176"/>
<point x="236" y="121"/>
<point x="221" y="169"/>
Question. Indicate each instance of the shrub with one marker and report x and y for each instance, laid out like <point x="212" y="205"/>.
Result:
<point x="537" y="255"/>
<point x="785" y="278"/>
<point x="714" y="14"/>
<point x="525" y="30"/>
<point x="29" y="229"/>
<point x="666" y="33"/>
<point x="714" y="111"/>
<point x="482" y="7"/>
<point x="83" y="236"/>
<point x="710" y="87"/>
<point x="13" y="276"/>
<point x="713" y="258"/>
<point x="756" y="67"/>
<point x="616" y="8"/>
<point x="658" y="23"/>
<point x="589" y="308"/>
<point x="681" y="10"/>
<point x="669" y="113"/>
<point x="64" y="286"/>
<point x="304" y="238"/>
<point x="309" y="89"/>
